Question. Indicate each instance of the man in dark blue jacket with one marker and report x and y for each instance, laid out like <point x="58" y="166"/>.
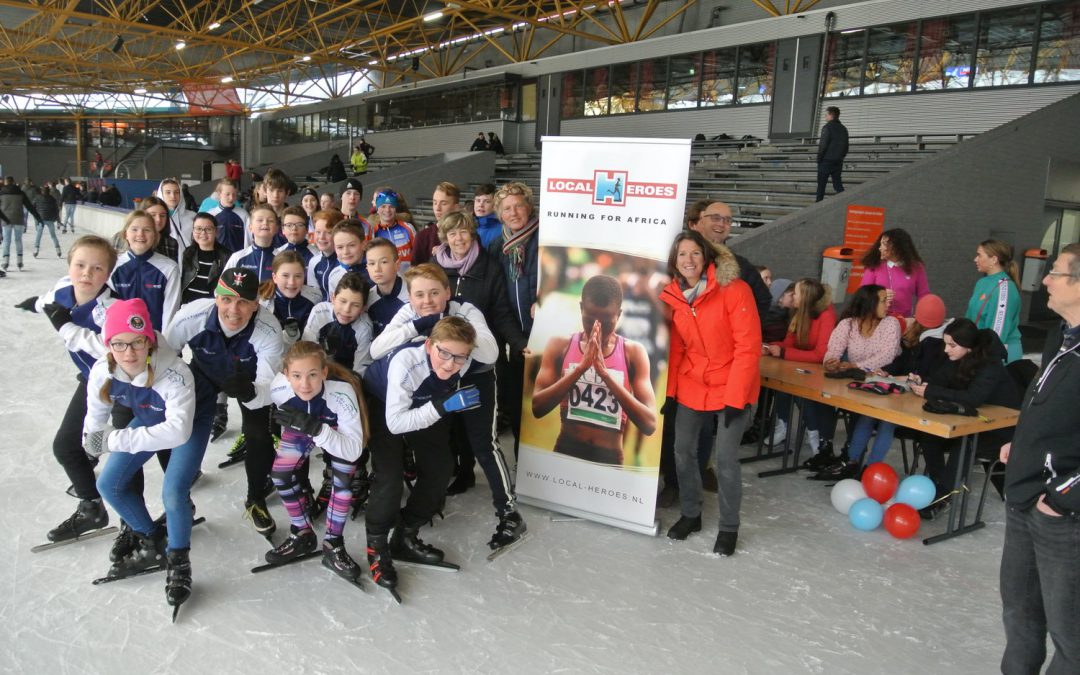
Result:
<point x="832" y="149"/>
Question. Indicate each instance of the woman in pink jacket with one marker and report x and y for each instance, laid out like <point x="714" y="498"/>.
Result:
<point x="894" y="264"/>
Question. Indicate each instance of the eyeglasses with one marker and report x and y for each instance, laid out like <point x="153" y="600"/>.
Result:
<point x="303" y="225"/>
<point x="138" y="344"/>
<point x="1059" y="274"/>
<point x="204" y="230"/>
<point x="716" y="218"/>
<point x="459" y="359"/>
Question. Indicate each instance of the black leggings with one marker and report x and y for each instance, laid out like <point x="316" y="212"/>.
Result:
<point x="259" y="457"/>
<point x="474" y="440"/>
<point x="434" y="464"/>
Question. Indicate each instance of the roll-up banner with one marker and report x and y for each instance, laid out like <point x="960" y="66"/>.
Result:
<point x="590" y="432"/>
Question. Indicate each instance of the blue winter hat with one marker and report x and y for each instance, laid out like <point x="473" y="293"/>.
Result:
<point x="386" y="197"/>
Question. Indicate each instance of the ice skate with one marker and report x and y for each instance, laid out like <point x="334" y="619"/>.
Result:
<point x="407" y="548"/>
<point x="220" y="423"/>
<point x="297" y="546"/>
<point x="509" y="533"/>
<point x="89" y="516"/>
<point x="124" y="543"/>
<point x="259" y="515"/>
<point x="381" y="564"/>
<point x="336" y="558"/>
<point x="178" y="583"/>
<point x="148" y="556"/>
<point x="236" y="453"/>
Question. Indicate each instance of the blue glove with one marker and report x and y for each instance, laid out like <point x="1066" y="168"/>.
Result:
<point x="424" y="324"/>
<point x="465" y="398"/>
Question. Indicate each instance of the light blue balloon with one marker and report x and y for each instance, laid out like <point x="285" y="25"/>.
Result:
<point x="866" y="514"/>
<point x="916" y="491"/>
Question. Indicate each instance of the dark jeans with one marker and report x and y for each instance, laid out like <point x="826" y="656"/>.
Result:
<point x="667" y="447"/>
<point x="434" y="464"/>
<point x="1040" y="592"/>
<point x="474" y="441"/>
<point x="825" y="170"/>
<point x="511" y="374"/>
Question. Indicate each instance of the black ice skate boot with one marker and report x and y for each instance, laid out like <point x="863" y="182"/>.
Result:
<point x="147" y="556"/>
<point x="379" y="561"/>
<point x="510" y="530"/>
<point x="406" y="546"/>
<point x="298" y="544"/>
<point x="255" y="510"/>
<point x="221" y="421"/>
<point x="336" y="558"/>
<point x="90" y="515"/>
<point x="178" y="584"/>
<point x="124" y="543"/>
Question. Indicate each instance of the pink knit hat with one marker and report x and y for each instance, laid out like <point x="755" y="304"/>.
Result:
<point x="127" y="316"/>
<point x="930" y="311"/>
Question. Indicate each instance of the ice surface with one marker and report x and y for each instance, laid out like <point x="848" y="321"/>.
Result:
<point x="806" y="592"/>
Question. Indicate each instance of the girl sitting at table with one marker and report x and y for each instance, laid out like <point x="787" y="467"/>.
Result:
<point x="867" y="339"/>
<point x="972" y="374"/>
<point x="807" y="337"/>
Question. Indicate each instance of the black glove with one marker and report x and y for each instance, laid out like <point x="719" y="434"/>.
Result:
<point x="330" y="343"/>
<point x="669" y="406"/>
<point x="731" y="413"/>
<point x="28" y="304"/>
<point x="238" y="386"/>
<point x="465" y="398"/>
<point x="298" y="420"/>
<point x="424" y="324"/>
<point x="58" y="314"/>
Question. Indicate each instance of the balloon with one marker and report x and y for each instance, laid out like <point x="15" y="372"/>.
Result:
<point x="916" y="491"/>
<point x="879" y="480"/>
<point x="902" y="521"/>
<point x="866" y="514"/>
<point x="845" y="493"/>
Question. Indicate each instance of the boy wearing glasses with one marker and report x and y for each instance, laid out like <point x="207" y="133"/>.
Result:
<point x="294" y="225"/>
<point x="429" y="302"/>
<point x="411" y="392"/>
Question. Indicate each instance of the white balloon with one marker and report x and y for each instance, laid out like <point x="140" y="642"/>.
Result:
<point x="845" y="493"/>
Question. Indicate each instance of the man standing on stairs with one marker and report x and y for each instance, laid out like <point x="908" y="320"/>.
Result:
<point x="832" y="149"/>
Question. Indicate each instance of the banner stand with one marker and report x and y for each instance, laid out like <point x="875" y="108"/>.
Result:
<point x="652" y="531"/>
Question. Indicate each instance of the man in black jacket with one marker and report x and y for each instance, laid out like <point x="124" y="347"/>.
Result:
<point x="1040" y="561"/>
<point x="832" y="149"/>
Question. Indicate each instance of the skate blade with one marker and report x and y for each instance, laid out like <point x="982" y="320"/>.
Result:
<point x="273" y="566"/>
<point x="175" y="611"/>
<point x="441" y="566"/>
<point x="112" y="529"/>
<point x="109" y="580"/>
<point x="232" y="461"/>
<point x="506" y="549"/>
<point x="394" y="594"/>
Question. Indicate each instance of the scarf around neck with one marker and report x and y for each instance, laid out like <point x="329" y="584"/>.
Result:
<point x="446" y="259"/>
<point x="514" y="246"/>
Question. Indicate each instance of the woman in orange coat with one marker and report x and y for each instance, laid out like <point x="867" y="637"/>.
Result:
<point x="713" y="370"/>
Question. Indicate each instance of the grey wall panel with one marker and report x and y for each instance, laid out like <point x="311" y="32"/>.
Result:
<point x="973" y="111"/>
<point x="734" y="121"/>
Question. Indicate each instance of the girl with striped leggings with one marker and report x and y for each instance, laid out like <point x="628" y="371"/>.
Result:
<point x="316" y="411"/>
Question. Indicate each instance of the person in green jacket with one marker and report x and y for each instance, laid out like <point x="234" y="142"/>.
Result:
<point x="995" y="304"/>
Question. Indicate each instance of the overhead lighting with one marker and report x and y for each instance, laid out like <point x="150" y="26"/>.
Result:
<point x="140" y="90"/>
<point x="852" y="30"/>
<point x="227" y="79"/>
<point x="180" y="45"/>
<point x="306" y="58"/>
<point x="214" y="26"/>
<point x="434" y="16"/>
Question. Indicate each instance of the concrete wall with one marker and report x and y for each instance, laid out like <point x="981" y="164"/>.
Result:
<point x="43" y="163"/>
<point x="991" y="186"/>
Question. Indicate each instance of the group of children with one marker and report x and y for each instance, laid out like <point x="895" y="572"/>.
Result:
<point x="319" y="328"/>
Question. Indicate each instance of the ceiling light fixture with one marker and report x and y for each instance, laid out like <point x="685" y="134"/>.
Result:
<point x="214" y="26"/>
<point x="434" y="16"/>
<point x="306" y="58"/>
<point x="180" y="45"/>
<point x="140" y="90"/>
<point x="227" y="79"/>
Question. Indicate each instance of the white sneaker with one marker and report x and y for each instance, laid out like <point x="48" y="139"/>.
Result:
<point x="814" y="439"/>
<point x="779" y="432"/>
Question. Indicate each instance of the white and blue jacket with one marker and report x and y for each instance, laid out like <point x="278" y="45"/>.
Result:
<point x="232" y="223"/>
<point x="82" y="337"/>
<point x="318" y="272"/>
<point x="383" y="308"/>
<point x="346" y="344"/>
<point x="153" y="278"/>
<point x="165" y="409"/>
<point x="256" y="350"/>
<point x="401" y="330"/>
<point x="408" y="385"/>
<point x="336" y="407"/>
<point x="256" y="258"/>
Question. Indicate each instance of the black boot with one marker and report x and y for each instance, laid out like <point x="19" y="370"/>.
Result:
<point x="336" y="558"/>
<point x="822" y="459"/>
<point x="725" y="543"/>
<point x="147" y="556"/>
<point x="255" y="510"/>
<point x="90" y="515"/>
<point x="511" y="528"/>
<point x="299" y="543"/>
<point x="683" y="527"/>
<point x="124" y="543"/>
<point x="407" y="546"/>
<point x="178" y="584"/>
<point x="379" y="561"/>
<point x="221" y="421"/>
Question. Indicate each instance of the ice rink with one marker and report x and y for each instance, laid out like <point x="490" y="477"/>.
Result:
<point x="806" y="592"/>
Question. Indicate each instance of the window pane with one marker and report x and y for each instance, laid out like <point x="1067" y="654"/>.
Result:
<point x="596" y="91"/>
<point x="945" y="54"/>
<point x="54" y="133"/>
<point x="890" y="58"/>
<point x="528" y="101"/>
<point x="624" y="86"/>
<point x="684" y="81"/>
<point x="653" y="78"/>
<point x="13" y="132"/>
<point x="1005" y="41"/>
<point x="756" y="73"/>
<point x="1059" y="43"/>
<point x="844" y="64"/>
<point x="573" y="101"/>
<point x="718" y="77"/>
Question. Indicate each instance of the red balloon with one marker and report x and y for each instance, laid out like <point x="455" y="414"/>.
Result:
<point x="901" y="520"/>
<point x="880" y="481"/>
